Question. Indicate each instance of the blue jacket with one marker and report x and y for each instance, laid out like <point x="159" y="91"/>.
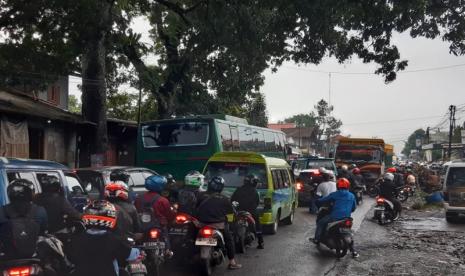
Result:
<point x="343" y="203"/>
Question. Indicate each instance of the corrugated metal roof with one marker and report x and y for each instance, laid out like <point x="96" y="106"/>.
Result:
<point x="19" y="103"/>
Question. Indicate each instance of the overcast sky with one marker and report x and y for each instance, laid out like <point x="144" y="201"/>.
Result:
<point x="365" y="103"/>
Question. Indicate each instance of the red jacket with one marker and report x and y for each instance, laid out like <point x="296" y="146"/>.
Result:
<point x="162" y="207"/>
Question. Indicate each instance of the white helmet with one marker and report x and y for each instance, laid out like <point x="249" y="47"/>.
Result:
<point x="389" y="176"/>
<point x="194" y="178"/>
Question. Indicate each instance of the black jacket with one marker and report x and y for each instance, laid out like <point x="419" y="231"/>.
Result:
<point x="131" y="215"/>
<point x="398" y="180"/>
<point x="387" y="189"/>
<point x="57" y="208"/>
<point x="247" y="197"/>
<point x="93" y="254"/>
<point x="213" y="208"/>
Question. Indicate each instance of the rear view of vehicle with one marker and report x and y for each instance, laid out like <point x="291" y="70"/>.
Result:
<point x="211" y="246"/>
<point x="454" y="191"/>
<point x="338" y="236"/>
<point x="384" y="211"/>
<point x="154" y="248"/>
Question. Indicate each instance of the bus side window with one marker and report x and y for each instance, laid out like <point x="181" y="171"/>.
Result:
<point x="235" y="138"/>
<point x="269" y="141"/>
<point x="285" y="178"/>
<point x="278" y="146"/>
<point x="258" y="140"/>
<point x="225" y="136"/>
<point x="245" y="138"/>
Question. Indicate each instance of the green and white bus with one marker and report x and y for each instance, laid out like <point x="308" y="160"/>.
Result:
<point x="179" y="145"/>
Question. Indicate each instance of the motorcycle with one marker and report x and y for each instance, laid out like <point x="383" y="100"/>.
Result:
<point x="405" y="192"/>
<point x="384" y="211"/>
<point x="182" y="235"/>
<point x="136" y="267"/>
<point x="358" y="193"/>
<point x="243" y="229"/>
<point x="22" y="267"/>
<point x="154" y="249"/>
<point x="372" y="189"/>
<point x="211" y="246"/>
<point x="338" y="234"/>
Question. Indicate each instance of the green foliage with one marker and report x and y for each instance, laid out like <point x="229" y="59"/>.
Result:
<point x="256" y="112"/>
<point x="326" y="125"/>
<point x="411" y="141"/>
<point x="74" y="105"/>
<point x="303" y="120"/>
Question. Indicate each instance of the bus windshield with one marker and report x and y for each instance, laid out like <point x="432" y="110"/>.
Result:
<point x="235" y="172"/>
<point x="171" y="134"/>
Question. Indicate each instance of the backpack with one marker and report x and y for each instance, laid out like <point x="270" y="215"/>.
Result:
<point x="19" y="233"/>
<point x="148" y="220"/>
<point x="187" y="200"/>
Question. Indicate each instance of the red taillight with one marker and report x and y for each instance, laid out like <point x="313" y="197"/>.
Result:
<point x="19" y="271"/>
<point x="299" y="186"/>
<point x="206" y="232"/>
<point x="380" y="200"/>
<point x="154" y="233"/>
<point x="348" y="223"/>
<point x="316" y="173"/>
<point x="180" y="219"/>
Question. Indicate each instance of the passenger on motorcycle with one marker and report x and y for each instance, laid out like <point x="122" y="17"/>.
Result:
<point x="60" y="213"/>
<point x="171" y="189"/>
<point x="328" y="185"/>
<point x="388" y="190"/>
<point x="398" y="177"/>
<point x="117" y="193"/>
<point x="248" y="198"/>
<point x="159" y="206"/>
<point x="98" y="250"/>
<point x="187" y="195"/>
<point x="344" y="172"/>
<point x="212" y="208"/>
<point x="22" y="218"/>
<point x="343" y="204"/>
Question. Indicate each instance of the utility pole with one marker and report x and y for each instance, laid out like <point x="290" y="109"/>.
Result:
<point x="329" y="89"/>
<point x="451" y="128"/>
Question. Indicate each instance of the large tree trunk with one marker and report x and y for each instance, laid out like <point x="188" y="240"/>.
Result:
<point x="94" y="106"/>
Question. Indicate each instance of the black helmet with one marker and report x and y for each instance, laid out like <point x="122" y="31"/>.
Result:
<point x="216" y="184"/>
<point x="119" y="175"/>
<point x="352" y="166"/>
<point x="20" y="190"/>
<point x="251" y="180"/>
<point x="50" y="184"/>
<point x="170" y="179"/>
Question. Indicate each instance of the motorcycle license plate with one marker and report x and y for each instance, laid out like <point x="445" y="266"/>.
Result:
<point x="345" y="230"/>
<point x="206" y="241"/>
<point x="379" y="208"/>
<point x="154" y="245"/>
<point x="137" y="268"/>
<point x="178" y="231"/>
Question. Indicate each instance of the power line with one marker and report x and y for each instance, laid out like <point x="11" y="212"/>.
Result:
<point x="392" y="121"/>
<point x="445" y="67"/>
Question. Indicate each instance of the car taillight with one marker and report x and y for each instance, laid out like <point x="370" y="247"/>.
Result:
<point x="299" y="186"/>
<point x="206" y="232"/>
<point x="181" y="219"/>
<point x="348" y="223"/>
<point x="380" y="200"/>
<point x="154" y="233"/>
<point x="19" y="271"/>
<point x="267" y="203"/>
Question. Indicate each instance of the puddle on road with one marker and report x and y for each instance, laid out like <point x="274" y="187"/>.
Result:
<point x="431" y="224"/>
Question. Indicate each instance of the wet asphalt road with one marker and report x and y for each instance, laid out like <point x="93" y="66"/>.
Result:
<point x="287" y="253"/>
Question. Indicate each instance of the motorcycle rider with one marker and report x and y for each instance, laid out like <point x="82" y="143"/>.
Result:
<point x="212" y="208"/>
<point x="344" y="172"/>
<point x="328" y="185"/>
<point x="158" y="205"/>
<point x="187" y="195"/>
<point x="171" y="189"/>
<point x="60" y="213"/>
<point x="99" y="250"/>
<point x="388" y="190"/>
<point x="343" y="205"/>
<point x="398" y="178"/>
<point x="20" y="193"/>
<point x="248" y="198"/>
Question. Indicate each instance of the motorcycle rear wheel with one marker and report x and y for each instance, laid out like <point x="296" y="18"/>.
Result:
<point x="205" y="267"/>
<point x="341" y="248"/>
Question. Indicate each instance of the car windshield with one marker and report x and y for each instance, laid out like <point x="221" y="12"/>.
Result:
<point x="235" y="172"/>
<point x="316" y="164"/>
<point x="456" y="177"/>
<point x="175" y="134"/>
<point x="73" y="185"/>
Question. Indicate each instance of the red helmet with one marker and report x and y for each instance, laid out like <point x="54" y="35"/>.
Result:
<point x="356" y="171"/>
<point x="392" y="170"/>
<point x="343" y="183"/>
<point x="117" y="190"/>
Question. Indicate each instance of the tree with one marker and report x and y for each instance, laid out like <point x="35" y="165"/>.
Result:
<point x="326" y="126"/>
<point x="74" y="105"/>
<point x="302" y="120"/>
<point x="256" y="112"/>
<point x="411" y="141"/>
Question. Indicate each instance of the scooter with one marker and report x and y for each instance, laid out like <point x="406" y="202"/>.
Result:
<point x="211" y="246"/>
<point x="384" y="211"/>
<point x="154" y="248"/>
<point x="338" y="234"/>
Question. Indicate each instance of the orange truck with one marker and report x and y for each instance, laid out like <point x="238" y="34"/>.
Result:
<point x="368" y="154"/>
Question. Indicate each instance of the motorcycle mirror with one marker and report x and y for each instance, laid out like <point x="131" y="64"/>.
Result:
<point x="89" y="187"/>
<point x="235" y="204"/>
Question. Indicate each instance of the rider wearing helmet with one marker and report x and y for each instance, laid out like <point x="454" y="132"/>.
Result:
<point x="20" y="193"/>
<point x="343" y="203"/>
<point x="212" y="209"/>
<point x="187" y="195"/>
<point x="171" y="189"/>
<point x="248" y="198"/>
<point x="59" y="210"/>
<point x="118" y="194"/>
<point x="388" y="190"/>
<point x="98" y="250"/>
<point x="398" y="177"/>
<point x="163" y="213"/>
